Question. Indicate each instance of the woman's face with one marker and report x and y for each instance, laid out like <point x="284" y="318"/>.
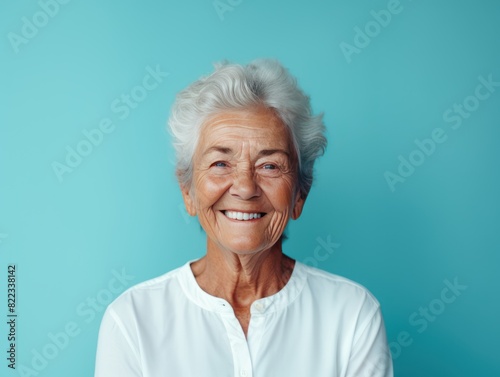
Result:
<point x="244" y="186"/>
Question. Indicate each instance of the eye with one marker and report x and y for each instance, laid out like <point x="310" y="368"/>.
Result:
<point x="219" y="164"/>
<point x="270" y="170"/>
<point x="270" y="166"/>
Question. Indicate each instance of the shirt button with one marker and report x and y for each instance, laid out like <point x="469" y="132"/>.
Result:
<point x="259" y="306"/>
<point x="243" y="373"/>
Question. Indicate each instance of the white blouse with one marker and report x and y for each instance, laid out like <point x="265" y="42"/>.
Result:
<point x="318" y="325"/>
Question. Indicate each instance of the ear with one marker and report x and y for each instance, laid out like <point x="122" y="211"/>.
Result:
<point x="188" y="200"/>
<point x="298" y="205"/>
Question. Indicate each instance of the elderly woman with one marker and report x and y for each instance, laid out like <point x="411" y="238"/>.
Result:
<point x="246" y="144"/>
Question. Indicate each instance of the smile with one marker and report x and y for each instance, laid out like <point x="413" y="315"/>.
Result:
<point x="243" y="216"/>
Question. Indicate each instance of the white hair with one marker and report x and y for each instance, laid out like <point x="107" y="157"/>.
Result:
<point x="262" y="82"/>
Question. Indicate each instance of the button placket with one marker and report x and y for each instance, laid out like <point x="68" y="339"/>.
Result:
<point x="239" y="346"/>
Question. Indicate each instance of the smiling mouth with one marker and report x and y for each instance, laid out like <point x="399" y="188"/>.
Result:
<point x="243" y="216"/>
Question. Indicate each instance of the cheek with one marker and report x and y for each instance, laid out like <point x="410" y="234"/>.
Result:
<point x="279" y="192"/>
<point x="209" y="189"/>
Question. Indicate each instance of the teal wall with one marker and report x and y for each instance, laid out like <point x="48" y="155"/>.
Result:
<point x="406" y="198"/>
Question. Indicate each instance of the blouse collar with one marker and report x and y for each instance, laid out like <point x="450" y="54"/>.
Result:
<point x="275" y="302"/>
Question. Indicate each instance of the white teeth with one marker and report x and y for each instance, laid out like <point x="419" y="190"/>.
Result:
<point x="242" y="215"/>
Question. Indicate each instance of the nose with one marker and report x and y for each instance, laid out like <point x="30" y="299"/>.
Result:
<point x="244" y="184"/>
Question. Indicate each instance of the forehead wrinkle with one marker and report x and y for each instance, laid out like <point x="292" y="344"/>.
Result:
<point x="222" y="134"/>
<point x="244" y="147"/>
<point x="217" y="121"/>
<point x="261" y="132"/>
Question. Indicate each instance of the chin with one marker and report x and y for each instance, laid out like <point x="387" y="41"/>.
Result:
<point x="245" y="246"/>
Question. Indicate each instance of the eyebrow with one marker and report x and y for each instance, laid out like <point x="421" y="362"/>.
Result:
<point x="223" y="150"/>
<point x="262" y="153"/>
<point x="269" y="152"/>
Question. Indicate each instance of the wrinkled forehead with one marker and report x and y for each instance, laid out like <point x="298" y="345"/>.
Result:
<point x="252" y="128"/>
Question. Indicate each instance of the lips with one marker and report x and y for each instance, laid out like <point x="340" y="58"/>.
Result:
<point x="243" y="216"/>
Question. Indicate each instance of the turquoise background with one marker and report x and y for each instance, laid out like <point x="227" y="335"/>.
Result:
<point x="120" y="209"/>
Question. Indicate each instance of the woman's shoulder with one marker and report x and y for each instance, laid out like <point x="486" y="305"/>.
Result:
<point x="147" y="292"/>
<point x="328" y="285"/>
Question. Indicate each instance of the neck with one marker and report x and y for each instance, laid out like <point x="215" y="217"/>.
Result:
<point x="242" y="279"/>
